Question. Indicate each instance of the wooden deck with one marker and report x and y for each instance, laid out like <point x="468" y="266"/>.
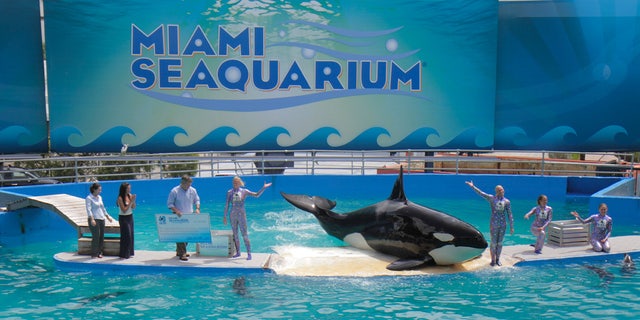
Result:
<point x="71" y="208"/>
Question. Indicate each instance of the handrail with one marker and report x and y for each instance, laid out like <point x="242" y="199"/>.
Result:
<point x="81" y="168"/>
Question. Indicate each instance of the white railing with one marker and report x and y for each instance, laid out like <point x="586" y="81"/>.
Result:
<point x="80" y="168"/>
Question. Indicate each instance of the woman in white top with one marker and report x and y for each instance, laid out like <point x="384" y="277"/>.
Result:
<point x="126" y="203"/>
<point x="96" y="214"/>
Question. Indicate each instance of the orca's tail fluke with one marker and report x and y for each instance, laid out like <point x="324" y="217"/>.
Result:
<point x="398" y="189"/>
<point x="313" y="204"/>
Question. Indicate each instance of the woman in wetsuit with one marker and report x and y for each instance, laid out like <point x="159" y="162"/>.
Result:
<point x="238" y="215"/>
<point x="500" y="211"/>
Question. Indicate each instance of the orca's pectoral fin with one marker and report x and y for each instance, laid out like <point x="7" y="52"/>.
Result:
<point x="300" y="201"/>
<point x="324" y="203"/>
<point x="408" y="264"/>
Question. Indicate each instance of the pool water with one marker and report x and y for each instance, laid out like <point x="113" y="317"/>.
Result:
<point x="32" y="287"/>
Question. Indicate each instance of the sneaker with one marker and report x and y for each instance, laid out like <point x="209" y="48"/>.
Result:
<point x="236" y="255"/>
<point x="498" y="263"/>
<point x="248" y="256"/>
<point x="493" y="263"/>
<point x="538" y="252"/>
<point x="184" y="258"/>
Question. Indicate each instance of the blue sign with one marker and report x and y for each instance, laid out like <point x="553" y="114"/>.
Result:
<point x="23" y="124"/>
<point x="349" y="75"/>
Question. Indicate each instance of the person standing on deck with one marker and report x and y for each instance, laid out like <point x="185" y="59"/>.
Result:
<point x="500" y="209"/>
<point x="544" y="214"/>
<point x="238" y="215"/>
<point x="126" y="203"/>
<point x="96" y="213"/>
<point x="182" y="199"/>
<point x="601" y="230"/>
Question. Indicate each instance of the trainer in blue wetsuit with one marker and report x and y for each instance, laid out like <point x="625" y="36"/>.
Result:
<point x="500" y="210"/>
<point x="544" y="214"/>
<point x="238" y="215"/>
<point x="602" y="227"/>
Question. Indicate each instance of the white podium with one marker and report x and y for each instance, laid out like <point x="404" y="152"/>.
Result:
<point x="221" y="245"/>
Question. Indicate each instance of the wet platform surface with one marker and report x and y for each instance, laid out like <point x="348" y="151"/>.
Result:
<point x="524" y="254"/>
<point x="337" y="261"/>
<point x="157" y="261"/>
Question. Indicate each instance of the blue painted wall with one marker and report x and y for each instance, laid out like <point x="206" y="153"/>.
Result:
<point x="336" y="186"/>
<point x="620" y="200"/>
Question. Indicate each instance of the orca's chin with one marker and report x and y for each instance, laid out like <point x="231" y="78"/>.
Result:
<point x="450" y="254"/>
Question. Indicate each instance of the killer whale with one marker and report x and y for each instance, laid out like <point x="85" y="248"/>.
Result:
<point x="415" y="234"/>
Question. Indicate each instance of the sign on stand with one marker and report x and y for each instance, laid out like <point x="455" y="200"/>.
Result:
<point x="187" y="228"/>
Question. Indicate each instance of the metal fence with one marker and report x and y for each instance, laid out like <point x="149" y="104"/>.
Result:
<point x="88" y="167"/>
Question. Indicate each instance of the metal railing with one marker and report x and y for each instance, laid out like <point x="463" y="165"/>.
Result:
<point x="81" y="168"/>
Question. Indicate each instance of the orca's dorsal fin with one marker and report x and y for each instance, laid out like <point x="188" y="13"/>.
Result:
<point x="398" y="189"/>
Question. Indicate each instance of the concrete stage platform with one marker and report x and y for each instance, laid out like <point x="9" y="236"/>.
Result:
<point x="146" y="261"/>
<point x="524" y="255"/>
<point x="338" y="261"/>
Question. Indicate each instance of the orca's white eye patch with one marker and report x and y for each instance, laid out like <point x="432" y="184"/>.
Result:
<point x="444" y="237"/>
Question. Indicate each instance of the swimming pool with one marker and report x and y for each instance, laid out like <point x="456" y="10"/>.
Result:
<point x="32" y="287"/>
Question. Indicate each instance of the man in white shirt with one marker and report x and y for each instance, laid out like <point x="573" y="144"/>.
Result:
<point x="181" y="201"/>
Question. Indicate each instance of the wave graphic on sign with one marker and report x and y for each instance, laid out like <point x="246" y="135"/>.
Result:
<point x="70" y="139"/>
<point x="14" y="139"/>
<point x="330" y="138"/>
<point x="564" y="138"/>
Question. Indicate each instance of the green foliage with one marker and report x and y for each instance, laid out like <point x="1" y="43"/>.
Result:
<point x="73" y="168"/>
<point x="177" y="169"/>
<point x="118" y="170"/>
